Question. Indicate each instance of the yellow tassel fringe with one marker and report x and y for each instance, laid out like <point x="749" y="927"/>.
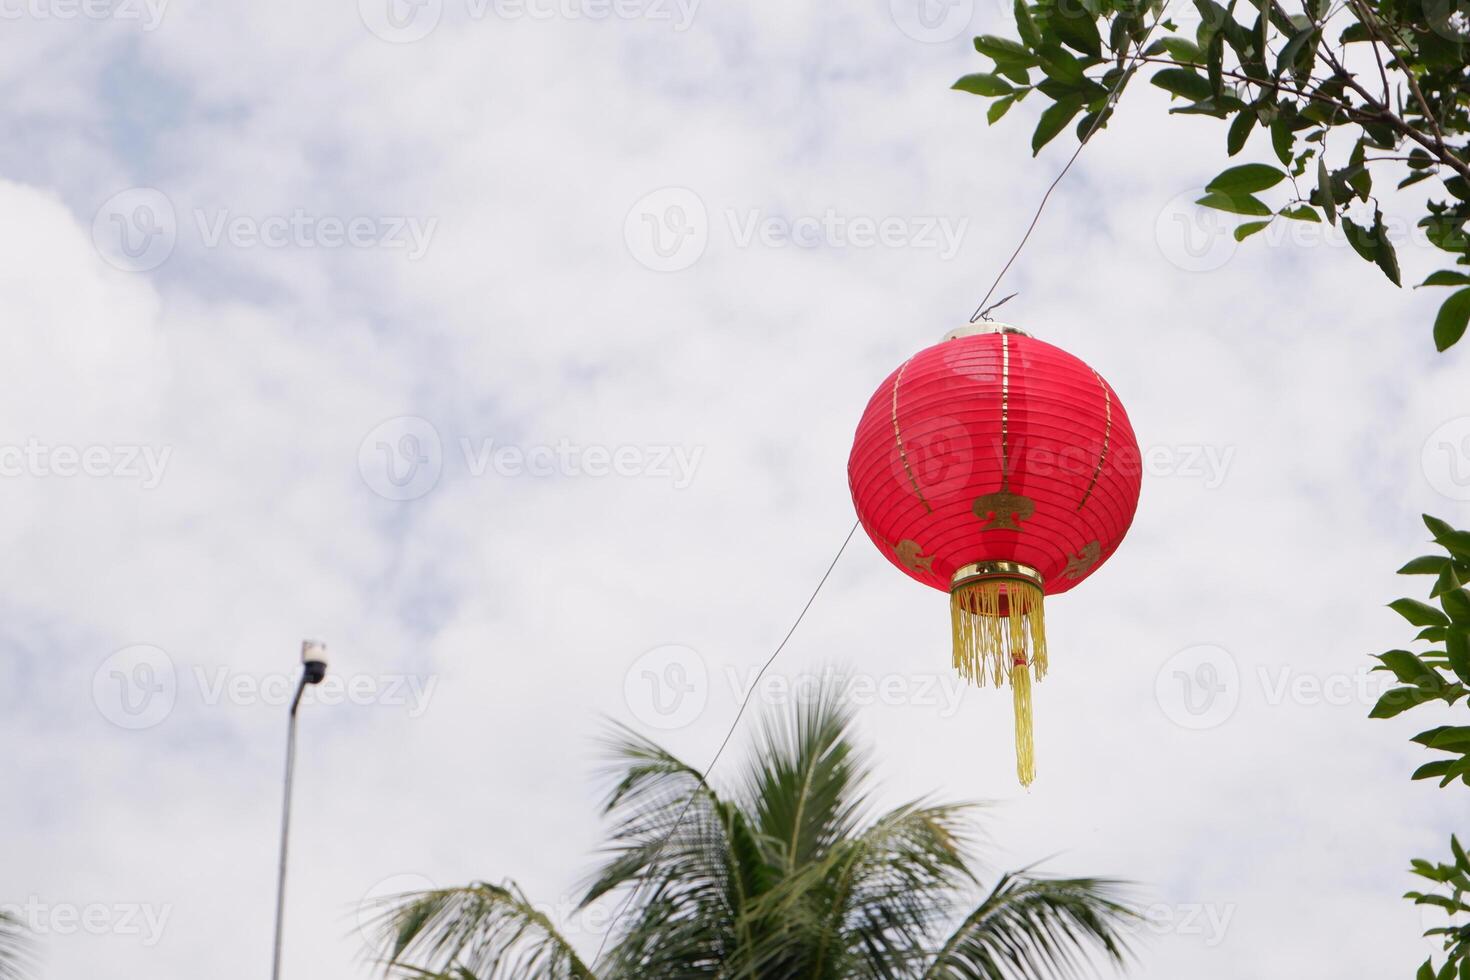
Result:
<point x="997" y="622"/>
<point x="1025" y="750"/>
<point x="999" y="631"/>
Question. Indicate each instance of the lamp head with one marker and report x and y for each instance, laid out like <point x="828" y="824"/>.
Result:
<point x="314" y="657"/>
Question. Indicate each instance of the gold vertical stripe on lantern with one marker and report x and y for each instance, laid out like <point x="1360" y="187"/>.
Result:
<point x="903" y="453"/>
<point x="1102" y="457"/>
<point x="1000" y="631"/>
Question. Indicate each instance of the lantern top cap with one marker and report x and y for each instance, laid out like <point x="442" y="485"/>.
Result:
<point x="983" y="327"/>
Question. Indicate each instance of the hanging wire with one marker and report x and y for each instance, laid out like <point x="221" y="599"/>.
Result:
<point x="980" y="311"/>
<point x="704" y="776"/>
<point x="1097" y="121"/>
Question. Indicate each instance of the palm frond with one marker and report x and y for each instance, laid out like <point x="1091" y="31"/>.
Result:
<point x="1037" y="928"/>
<point x="477" y="932"/>
<point x="869" y="907"/>
<point x="806" y="785"/>
<point x="653" y="793"/>
<point x="679" y="848"/>
<point x="17" y="952"/>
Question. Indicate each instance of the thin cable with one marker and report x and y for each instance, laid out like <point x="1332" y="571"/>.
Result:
<point x="1096" y="123"/>
<point x="704" y="777"/>
<point x="750" y="693"/>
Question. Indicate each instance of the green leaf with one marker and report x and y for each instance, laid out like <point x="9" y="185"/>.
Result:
<point x="1220" y="107"/>
<point x="1359" y="179"/>
<point x="1026" y="25"/>
<point x="1240" y="130"/>
<point x="1215" y="63"/>
<point x="1446" y="582"/>
<point x="1450" y="738"/>
<point x="1457" y="649"/>
<point x="1386" y="257"/>
<point x="1300" y="213"/>
<point x="1431" y="769"/>
<point x="1086" y="127"/>
<point x="1075" y="27"/>
<point x="1449" y="325"/>
<point x="1437" y="527"/>
<point x="1079" y="89"/>
<point x="1003" y="48"/>
<point x="1282" y="139"/>
<point x="1016" y="72"/>
<point x="1426" y="738"/>
<point x="1242" y="232"/>
<point x="1401" y="699"/>
<point x="1445" y="232"/>
<point x="999" y="108"/>
<point x="988" y="85"/>
<point x="1419" y="613"/>
<point x="1446" y="277"/>
<point x="1184" y="83"/>
<point x="1052" y="122"/>
<point x="1361" y="239"/>
<point x="1457" y="542"/>
<point x="1294" y="48"/>
<point x="1409" y="668"/>
<point x="1213" y="17"/>
<point x="1121" y="34"/>
<point x="1248" y="178"/>
<point x="1425" y="565"/>
<point x="1324" y="191"/>
<point x="1235" y="204"/>
<point x="1456" y="604"/>
<point x="1182" y="49"/>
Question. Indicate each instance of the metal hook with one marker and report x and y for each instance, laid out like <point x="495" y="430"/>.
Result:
<point x="985" y="313"/>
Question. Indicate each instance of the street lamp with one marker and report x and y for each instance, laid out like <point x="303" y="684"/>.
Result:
<point x="314" y="668"/>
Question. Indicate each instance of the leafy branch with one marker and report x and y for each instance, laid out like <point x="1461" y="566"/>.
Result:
<point x="1280" y="72"/>
<point x="1439" y="675"/>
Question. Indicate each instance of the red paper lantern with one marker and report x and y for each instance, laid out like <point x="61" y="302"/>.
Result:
<point x="999" y="469"/>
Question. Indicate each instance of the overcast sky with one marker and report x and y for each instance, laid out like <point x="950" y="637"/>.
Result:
<point x="514" y="349"/>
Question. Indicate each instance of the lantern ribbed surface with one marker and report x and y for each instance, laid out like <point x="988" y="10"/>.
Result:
<point x="1000" y="469"/>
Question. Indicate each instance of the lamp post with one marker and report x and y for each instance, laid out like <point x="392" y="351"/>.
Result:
<point x="314" y="668"/>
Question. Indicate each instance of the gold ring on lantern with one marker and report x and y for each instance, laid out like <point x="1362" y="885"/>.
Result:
<point x="976" y="571"/>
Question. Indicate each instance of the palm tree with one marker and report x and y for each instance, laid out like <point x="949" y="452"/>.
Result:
<point x="15" y="948"/>
<point x="786" y="876"/>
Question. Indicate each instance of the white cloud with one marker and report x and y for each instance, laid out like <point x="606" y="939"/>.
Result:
<point x="526" y="599"/>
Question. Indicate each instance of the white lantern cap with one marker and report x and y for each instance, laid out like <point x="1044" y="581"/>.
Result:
<point x="984" y="326"/>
